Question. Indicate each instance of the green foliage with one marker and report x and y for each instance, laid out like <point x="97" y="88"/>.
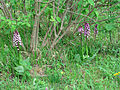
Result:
<point x="23" y="68"/>
<point x="8" y="25"/>
<point x="74" y="63"/>
<point x="91" y="2"/>
<point x="109" y="26"/>
<point x="19" y="69"/>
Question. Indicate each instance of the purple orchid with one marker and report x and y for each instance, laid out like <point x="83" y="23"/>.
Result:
<point x="87" y="30"/>
<point x="80" y="29"/>
<point x="46" y="88"/>
<point x="17" y="39"/>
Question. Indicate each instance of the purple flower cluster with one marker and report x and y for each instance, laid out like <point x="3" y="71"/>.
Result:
<point x="96" y="31"/>
<point x="16" y="39"/>
<point x="80" y="29"/>
<point x="87" y="30"/>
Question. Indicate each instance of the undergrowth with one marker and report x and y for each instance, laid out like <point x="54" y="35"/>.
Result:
<point x="61" y="69"/>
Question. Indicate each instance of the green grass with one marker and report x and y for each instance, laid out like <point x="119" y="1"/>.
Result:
<point x="96" y="74"/>
<point x="75" y="63"/>
<point x="61" y="68"/>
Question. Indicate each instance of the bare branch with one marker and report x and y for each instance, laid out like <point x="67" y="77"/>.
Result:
<point x="62" y="21"/>
<point x="53" y="44"/>
<point x="33" y="37"/>
<point x="43" y="43"/>
<point x="63" y="4"/>
<point x="54" y="18"/>
<point x="44" y="8"/>
<point x="4" y="9"/>
<point x="25" y="12"/>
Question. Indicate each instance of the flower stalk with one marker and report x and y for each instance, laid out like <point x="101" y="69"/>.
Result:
<point x="95" y="31"/>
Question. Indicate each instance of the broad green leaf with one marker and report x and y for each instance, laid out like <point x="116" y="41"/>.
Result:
<point x="9" y="22"/>
<point x="66" y="88"/>
<point x="19" y="69"/>
<point x="91" y="58"/>
<point x="77" y="58"/>
<point x="28" y="24"/>
<point x="13" y="22"/>
<point x="7" y="31"/>
<point x="55" y="23"/>
<point x="19" y="23"/>
<point x="2" y="24"/>
<point x="85" y="56"/>
<point x="112" y="9"/>
<point x="28" y="73"/>
<point x="80" y="4"/>
<point x="86" y="10"/>
<point x="109" y="26"/>
<point x="58" y="19"/>
<point x="84" y="3"/>
<point x="103" y="1"/>
<point x="25" y="63"/>
<point x="52" y="19"/>
<point x="118" y="19"/>
<point x="13" y="27"/>
<point x="97" y="14"/>
<point x="19" y="19"/>
<point x="91" y="2"/>
<point x="61" y="10"/>
<point x="12" y="1"/>
<point x="23" y="23"/>
<point x="2" y="18"/>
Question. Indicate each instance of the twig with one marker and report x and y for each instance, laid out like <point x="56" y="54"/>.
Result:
<point x="54" y="19"/>
<point x="4" y="9"/>
<point x="58" y="8"/>
<point x="33" y="37"/>
<point x="62" y="21"/>
<point x="52" y="46"/>
<point x="43" y="43"/>
<point x="25" y="12"/>
<point x="43" y="8"/>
